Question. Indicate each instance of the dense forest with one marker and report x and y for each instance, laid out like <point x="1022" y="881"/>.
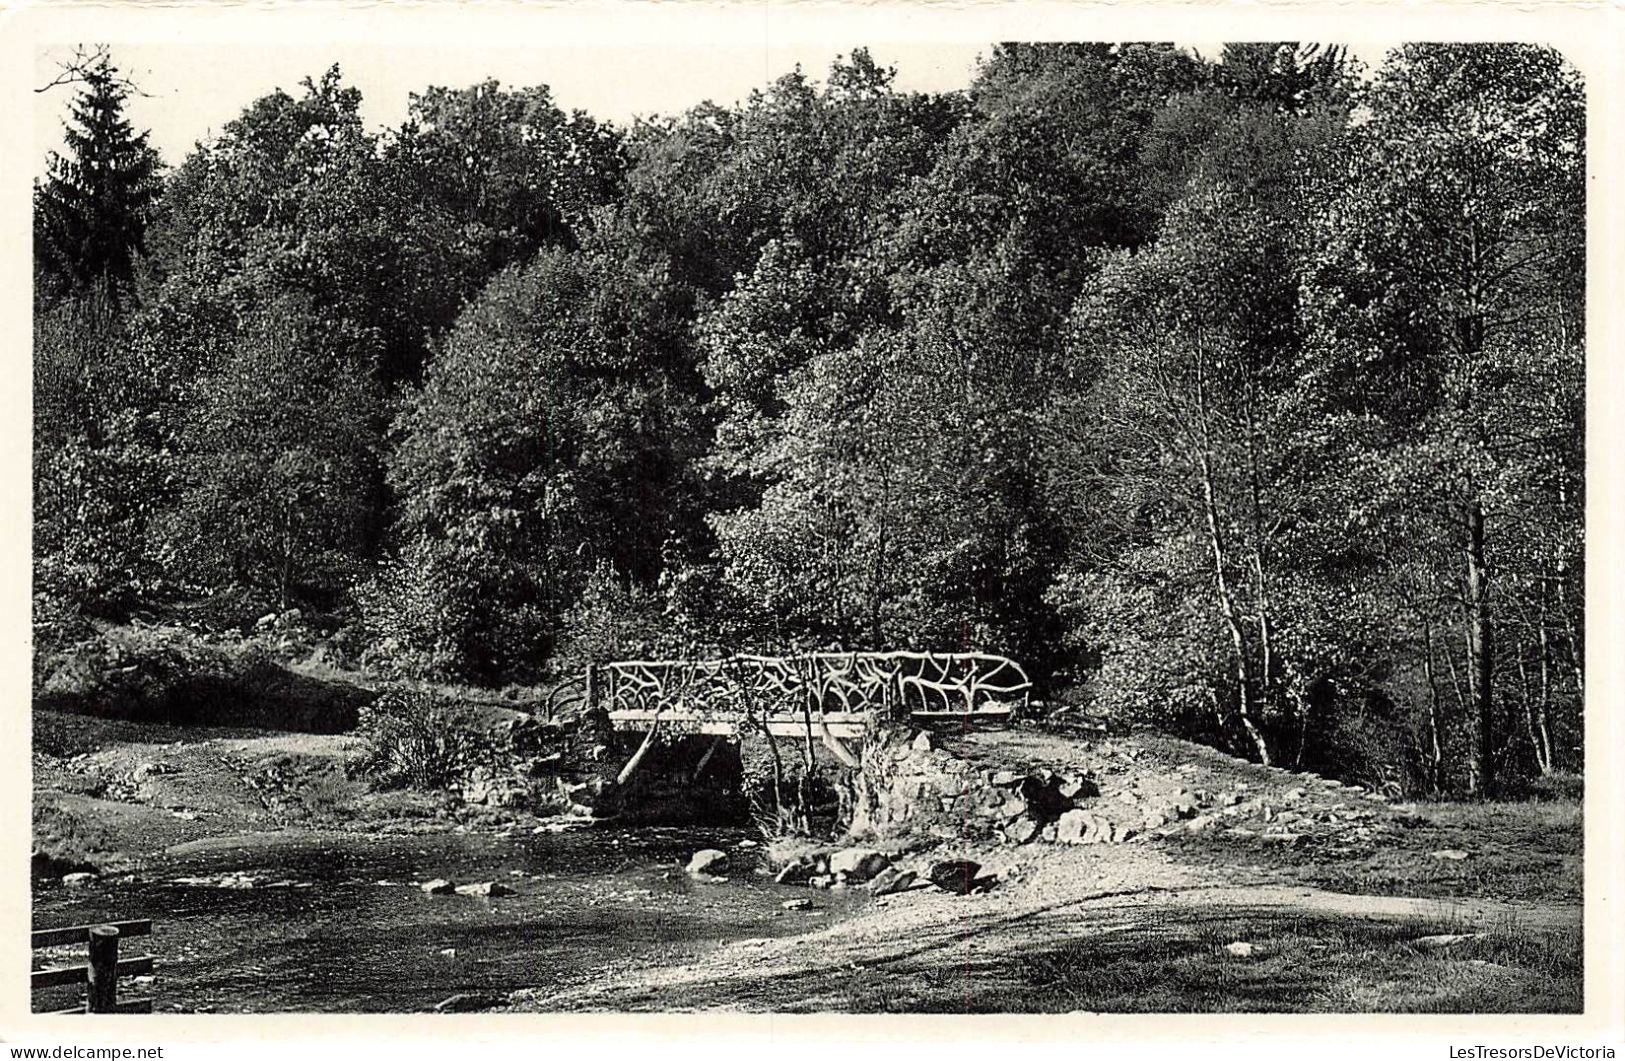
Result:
<point x="1240" y="397"/>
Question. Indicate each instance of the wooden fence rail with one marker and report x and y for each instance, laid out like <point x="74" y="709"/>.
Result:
<point x="102" y="972"/>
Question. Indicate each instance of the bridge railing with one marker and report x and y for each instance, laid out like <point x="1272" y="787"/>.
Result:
<point x="920" y="684"/>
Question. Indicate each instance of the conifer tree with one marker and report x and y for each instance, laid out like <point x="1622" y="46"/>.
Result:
<point x="91" y="212"/>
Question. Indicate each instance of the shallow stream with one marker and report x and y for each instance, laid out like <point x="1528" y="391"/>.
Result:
<point x="335" y="922"/>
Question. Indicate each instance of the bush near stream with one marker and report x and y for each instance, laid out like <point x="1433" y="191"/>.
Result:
<point x="416" y="739"/>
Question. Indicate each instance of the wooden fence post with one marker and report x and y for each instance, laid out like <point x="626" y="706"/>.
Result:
<point x="102" y="976"/>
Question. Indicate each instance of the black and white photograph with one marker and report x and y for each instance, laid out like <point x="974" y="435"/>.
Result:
<point x="1023" y="526"/>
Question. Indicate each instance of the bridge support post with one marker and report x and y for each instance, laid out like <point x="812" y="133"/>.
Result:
<point x="633" y="763"/>
<point x="838" y="748"/>
<point x="705" y="760"/>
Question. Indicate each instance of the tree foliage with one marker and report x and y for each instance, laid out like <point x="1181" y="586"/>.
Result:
<point x="1239" y="397"/>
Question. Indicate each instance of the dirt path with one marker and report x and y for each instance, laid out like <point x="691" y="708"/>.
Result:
<point x="1055" y="899"/>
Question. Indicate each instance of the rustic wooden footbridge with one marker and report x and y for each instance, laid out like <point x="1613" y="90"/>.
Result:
<point x="828" y="696"/>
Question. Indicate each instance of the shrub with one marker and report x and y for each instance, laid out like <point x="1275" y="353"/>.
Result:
<point x="417" y="740"/>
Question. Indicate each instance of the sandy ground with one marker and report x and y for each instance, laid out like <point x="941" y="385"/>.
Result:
<point x="1056" y="896"/>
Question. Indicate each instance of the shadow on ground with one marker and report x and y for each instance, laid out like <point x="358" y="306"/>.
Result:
<point x="1137" y="959"/>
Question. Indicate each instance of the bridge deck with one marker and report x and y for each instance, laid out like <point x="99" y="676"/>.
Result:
<point x="847" y="725"/>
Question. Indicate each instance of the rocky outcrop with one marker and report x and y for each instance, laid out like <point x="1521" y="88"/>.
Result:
<point x="908" y="784"/>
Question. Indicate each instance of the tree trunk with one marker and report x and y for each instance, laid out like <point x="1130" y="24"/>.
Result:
<point x="1227" y="603"/>
<point x="1270" y="666"/>
<point x="1481" y="646"/>
<point x="1227" y="607"/>
<point x="1435" y="745"/>
<point x="1543" y="711"/>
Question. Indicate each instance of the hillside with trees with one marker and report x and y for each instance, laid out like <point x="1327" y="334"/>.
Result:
<point x="1241" y="398"/>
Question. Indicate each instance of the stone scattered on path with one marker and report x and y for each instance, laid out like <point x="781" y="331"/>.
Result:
<point x="799" y="871"/>
<point x="79" y="880"/>
<point x="1444" y="940"/>
<point x="707" y="863"/>
<point x="1450" y="854"/>
<point x="1021" y="830"/>
<point x="466" y="1003"/>
<point x="438" y="886"/>
<point x="797" y="904"/>
<point x="1239" y="949"/>
<point x="484" y="888"/>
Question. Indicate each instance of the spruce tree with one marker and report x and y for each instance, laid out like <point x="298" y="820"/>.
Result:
<point x="91" y="212"/>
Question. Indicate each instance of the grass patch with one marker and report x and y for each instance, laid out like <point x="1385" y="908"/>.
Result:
<point x="1298" y="964"/>
<point x="67" y="843"/>
<point x="1309" y="965"/>
<point x="1529" y="851"/>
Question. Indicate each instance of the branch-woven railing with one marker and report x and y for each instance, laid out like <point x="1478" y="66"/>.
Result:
<point x="894" y="683"/>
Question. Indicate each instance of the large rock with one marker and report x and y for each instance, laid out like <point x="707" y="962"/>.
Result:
<point x="1071" y="827"/>
<point x="955" y="875"/>
<point x="708" y="863"/>
<point x="1041" y="790"/>
<point x="892" y="880"/>
<point x="1021" y="830"/>
<point x="858" y="863"/>
<point x="798" y="872"/>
